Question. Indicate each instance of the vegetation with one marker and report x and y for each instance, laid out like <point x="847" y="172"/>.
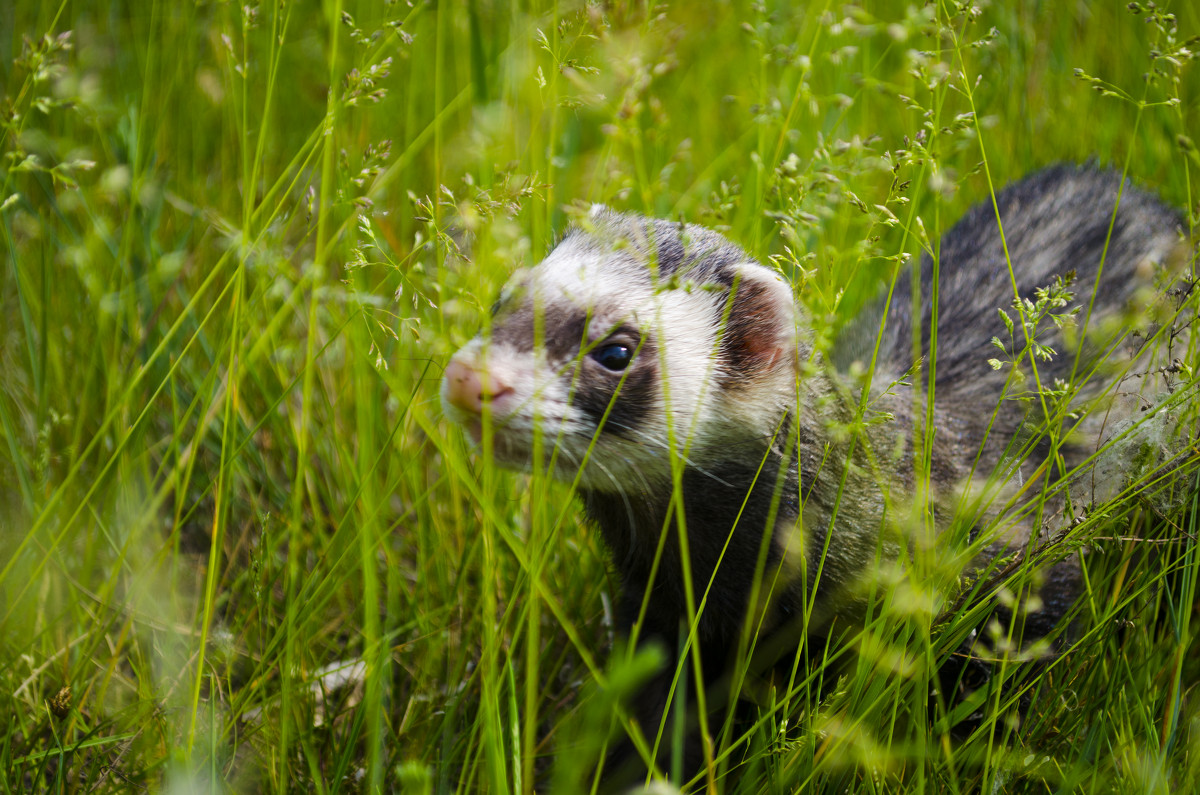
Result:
<point x="239" y="547"/>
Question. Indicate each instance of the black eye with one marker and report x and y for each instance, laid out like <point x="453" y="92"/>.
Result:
<point x="613" y="356"/>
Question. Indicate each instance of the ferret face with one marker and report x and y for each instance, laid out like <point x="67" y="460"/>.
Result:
<point x="634" y="341"/>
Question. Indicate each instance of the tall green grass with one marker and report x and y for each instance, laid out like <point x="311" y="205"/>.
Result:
<point x="239" y="243"/>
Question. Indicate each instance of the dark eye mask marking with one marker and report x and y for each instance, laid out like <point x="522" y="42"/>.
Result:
<point x="633" y="391"/>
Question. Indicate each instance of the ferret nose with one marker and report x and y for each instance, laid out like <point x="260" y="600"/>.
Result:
<point x="468" y="388"/>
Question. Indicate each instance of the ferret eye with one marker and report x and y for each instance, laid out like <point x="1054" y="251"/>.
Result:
<point x="613" y="356"/>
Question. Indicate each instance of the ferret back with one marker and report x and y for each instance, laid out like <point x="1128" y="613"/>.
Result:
<point x="1054" y="222"/>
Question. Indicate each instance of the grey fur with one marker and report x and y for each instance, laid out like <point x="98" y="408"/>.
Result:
<point x="773" y="493"/>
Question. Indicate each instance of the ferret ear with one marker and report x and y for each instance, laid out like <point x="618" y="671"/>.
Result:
<point x="760" y="335"/>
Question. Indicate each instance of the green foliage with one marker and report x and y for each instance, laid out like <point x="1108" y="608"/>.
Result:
<point x="239" y="547"/>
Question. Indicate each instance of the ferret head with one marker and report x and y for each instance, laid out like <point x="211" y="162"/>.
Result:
<point x="635" y="340"/>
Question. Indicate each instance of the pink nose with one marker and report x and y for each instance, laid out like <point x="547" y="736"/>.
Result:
<point x="468" y="388"/>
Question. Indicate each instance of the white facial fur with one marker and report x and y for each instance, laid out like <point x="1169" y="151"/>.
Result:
<point x="603" y="288"/>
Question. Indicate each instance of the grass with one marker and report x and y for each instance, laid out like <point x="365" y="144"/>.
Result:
<point x="239" y="243"/>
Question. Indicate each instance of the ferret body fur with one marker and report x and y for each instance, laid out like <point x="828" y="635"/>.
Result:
<point x="675" y="377"/>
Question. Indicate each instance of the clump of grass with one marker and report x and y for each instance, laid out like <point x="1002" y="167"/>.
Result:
<point x="240" y="548"/>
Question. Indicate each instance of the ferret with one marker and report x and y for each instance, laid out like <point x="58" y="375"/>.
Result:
<point x="675" y="381"/>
